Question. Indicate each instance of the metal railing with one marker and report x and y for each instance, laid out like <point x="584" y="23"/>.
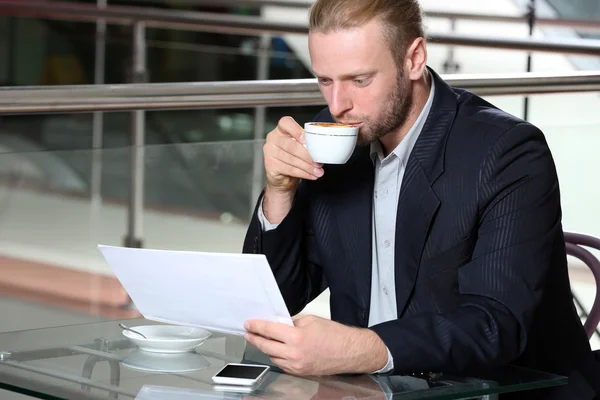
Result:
<point x="237" y="24"/>
<point x="238" y="94"/>
<point x="304" y="4"/>
<point x="143" y="17"/>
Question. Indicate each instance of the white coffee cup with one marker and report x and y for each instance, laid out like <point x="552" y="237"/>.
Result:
<point x="330" y="143"/>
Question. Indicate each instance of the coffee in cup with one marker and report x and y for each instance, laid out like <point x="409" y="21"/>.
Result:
<point x="330" y="143"/>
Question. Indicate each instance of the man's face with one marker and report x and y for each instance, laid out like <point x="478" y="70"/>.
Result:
<point x="360" y="80"/>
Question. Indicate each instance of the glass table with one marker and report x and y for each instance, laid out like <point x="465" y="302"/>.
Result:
<point x="95" y="361"/>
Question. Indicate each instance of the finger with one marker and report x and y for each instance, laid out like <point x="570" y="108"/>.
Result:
<point x="290" y="166"/>
<point x="272" y="330"/>
<point x="299" y="317"/>
<point x="304" y="320"/>
<point x="290" y="145"/>
<point x="293" y="153"/>
<point x="288" y="126"/>
<point x="284" y="165"/>
<point x="270" y="347"/>
<point x="276" y="167"/>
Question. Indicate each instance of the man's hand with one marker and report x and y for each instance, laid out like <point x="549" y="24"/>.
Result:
<point x="286" y="162"/>
<point x="317" y="346"/>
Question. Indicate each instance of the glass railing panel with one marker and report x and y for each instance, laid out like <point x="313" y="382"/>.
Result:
<point x="75" y="131"/>
<point x="196" y="197"/>
<point x="210" y="179"/>
<point x="583" y="9"/>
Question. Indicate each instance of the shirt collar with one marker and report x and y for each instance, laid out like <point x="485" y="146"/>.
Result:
<point x="402" y="151"/>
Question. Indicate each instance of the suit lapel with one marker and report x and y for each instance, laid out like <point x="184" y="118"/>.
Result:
<point x="416" y="207"/>
<point x="418" y="203"/>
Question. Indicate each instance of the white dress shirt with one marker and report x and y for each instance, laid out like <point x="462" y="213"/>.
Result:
<point x="389" y="172"/>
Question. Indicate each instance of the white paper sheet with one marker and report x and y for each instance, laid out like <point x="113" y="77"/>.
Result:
<point x="214" y="291"/>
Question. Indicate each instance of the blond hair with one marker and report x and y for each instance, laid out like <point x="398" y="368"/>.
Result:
<point x="402" y="20"/>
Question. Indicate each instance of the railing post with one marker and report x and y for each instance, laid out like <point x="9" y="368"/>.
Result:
<point x="258" y="171"/>
<point x="96" y="175"/>
<point x="450" y="65"/>
<point x="136" y="193"/>
<point x="531" y="23"/>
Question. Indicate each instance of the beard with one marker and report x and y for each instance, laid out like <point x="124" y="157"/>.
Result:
<point x="393" y="114"/>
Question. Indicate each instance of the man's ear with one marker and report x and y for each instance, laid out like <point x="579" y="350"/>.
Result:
<point x="415" y="61"/>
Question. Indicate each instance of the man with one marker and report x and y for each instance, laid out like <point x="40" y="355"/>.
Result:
<point x="440" y="240"/>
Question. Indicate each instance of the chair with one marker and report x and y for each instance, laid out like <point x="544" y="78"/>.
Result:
<point x="574" y="243"/>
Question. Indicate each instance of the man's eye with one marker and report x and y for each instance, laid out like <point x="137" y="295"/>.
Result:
<point x="324" y="81"/>
<point x="361" y="82"/>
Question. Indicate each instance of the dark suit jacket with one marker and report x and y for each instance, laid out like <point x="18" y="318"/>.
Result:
<point x="480" y="266"/>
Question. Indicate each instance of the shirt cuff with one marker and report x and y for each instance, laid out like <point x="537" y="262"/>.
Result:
<point x="389" y="366"/>
<point x="264" y="222"/>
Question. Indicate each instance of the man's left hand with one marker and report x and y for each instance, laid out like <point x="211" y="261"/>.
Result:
<point x="317" y="346"/>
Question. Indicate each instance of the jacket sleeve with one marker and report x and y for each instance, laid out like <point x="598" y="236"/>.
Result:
<point x="291" y="252"/>
<point x="501" y="286"/>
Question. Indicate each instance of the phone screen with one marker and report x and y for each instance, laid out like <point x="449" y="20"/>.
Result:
<point x="241" y="371"/>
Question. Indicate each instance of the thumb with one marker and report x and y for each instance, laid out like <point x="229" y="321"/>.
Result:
<point x="299" y="316"/>
<point x="301" y="319"/>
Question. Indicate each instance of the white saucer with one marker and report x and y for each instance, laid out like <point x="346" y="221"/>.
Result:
<point x="163" y="362"/>
<point x="168" y="338"/>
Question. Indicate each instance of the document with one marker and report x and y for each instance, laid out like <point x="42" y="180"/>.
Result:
<point x="214" y="291"/>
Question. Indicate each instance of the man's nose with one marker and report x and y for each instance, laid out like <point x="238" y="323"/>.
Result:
<point x="340" y="101"/>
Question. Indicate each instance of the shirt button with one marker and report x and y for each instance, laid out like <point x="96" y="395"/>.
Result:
<point x="386" y="244"/>
<point x="385" y="290"/>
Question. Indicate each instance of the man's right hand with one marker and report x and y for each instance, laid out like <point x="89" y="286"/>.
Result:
<point x="286" y="162"/>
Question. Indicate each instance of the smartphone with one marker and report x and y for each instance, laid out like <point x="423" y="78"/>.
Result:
<point x="235" y="389"/>
<point x="240" y="374"/>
